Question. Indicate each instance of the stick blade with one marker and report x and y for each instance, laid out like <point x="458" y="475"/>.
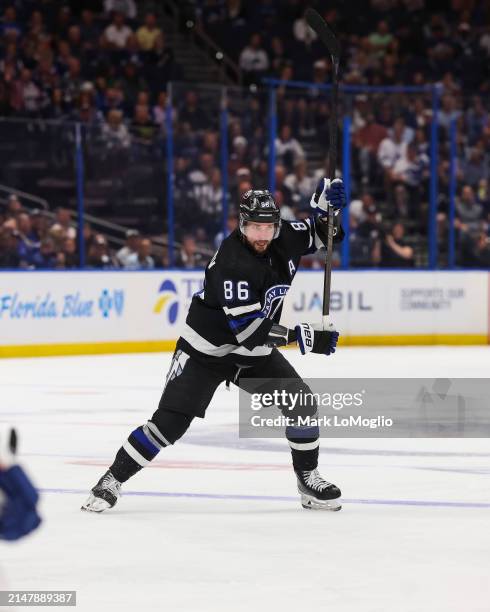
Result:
<point x="324" y="33"/>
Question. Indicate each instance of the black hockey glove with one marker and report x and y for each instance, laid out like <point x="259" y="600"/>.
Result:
<point x="312" y="338"/>
<point x="280" y="336"/>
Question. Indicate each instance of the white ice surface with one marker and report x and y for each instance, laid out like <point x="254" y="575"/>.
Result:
<point x="218" y="525"/>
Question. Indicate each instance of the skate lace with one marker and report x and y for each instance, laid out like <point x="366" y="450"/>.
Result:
<point x="110" y="483"/>
<point x="315" y="481"/>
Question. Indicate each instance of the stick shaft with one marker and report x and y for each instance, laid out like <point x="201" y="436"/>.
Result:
<point x="332" y="165"/>
<point x="328" y="38"/>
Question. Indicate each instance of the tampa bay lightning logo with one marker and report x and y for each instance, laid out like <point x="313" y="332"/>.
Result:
<point x="273" y="299"/>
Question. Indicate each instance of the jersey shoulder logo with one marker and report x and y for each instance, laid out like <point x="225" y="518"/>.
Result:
<point x="273" y="299"/>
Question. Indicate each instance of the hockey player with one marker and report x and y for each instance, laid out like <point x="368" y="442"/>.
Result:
<point x="18" y="498"/>
<point x="231" y="333"/>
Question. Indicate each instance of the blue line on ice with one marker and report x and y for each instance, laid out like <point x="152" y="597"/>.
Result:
<point x="283" y="448"/>
<point x="384" y="502"/>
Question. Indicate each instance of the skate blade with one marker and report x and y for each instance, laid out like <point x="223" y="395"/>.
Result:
<point x="95" y="504"/>
<point x="312" y="503"/>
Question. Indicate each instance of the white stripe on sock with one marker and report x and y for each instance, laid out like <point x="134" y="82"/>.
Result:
<point x="133" y="453"/>
<point x="304" y="447"/>
<point x="156" y="432"/>
<point x="152" y="438"/>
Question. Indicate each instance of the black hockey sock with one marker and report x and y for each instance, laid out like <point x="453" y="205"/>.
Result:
<point x="142" y="446"/>
<point x="146" y="441"/>
<point x="124" y="466"/>
<point x="304" y="452"/>
<point x="304" y="443"/>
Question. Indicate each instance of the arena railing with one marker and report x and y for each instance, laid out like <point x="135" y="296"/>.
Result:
<point x="347" y="95"/>
<point x="184" y="17"/>
<point x="71" y="164"/>
<point x="32" y="200"/>
<point x="51" y="164"/>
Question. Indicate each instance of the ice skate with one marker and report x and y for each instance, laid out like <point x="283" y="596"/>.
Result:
<point x="104" y="495"/>
<point x="316" y="493"/>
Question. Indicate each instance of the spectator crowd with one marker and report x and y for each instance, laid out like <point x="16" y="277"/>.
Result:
<point x="79" y="61"/>
<point x="41" y="240"/>
<point x="106" y="66"/>
<point x="391" y="43"/>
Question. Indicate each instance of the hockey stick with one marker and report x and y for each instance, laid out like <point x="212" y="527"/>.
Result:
<point x="328" y="38"/>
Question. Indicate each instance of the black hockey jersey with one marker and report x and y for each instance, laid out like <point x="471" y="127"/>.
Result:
<point x="230" y="319"/>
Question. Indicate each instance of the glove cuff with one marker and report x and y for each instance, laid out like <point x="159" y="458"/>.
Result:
<point x="304" y="336"/>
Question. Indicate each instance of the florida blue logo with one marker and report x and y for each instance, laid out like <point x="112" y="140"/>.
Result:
<point x="109" y="301"/>
<point x="273" y="299"/>
<point x="167" y="301"/>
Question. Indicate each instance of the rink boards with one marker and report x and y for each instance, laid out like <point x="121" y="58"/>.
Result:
<point x="59" y="313"/>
